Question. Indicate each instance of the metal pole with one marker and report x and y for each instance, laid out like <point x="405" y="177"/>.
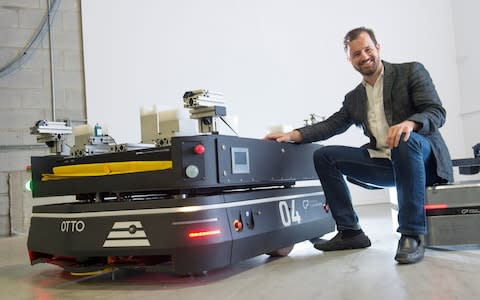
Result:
<point x="22" y="147"/>
<point x="52" y="69"/>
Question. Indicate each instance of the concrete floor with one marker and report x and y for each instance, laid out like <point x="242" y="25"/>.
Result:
<point x="305" y="274"/>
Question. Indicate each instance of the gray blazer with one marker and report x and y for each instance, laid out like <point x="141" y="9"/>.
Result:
<point x="408" y="94"/>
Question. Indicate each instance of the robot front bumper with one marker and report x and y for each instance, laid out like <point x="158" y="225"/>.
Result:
<point x="189" y="235"/>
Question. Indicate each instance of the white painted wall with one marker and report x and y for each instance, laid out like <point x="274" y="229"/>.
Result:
<point x="276" y="61"/>
<point x="466" y="24"/>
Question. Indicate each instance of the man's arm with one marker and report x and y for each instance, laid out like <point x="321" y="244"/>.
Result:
<point x="430" y="114"/>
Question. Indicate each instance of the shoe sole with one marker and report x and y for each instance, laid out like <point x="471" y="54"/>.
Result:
<point x="407" y="261"/>
<point x="409" y="258"/>
<point x="362" y="246"/>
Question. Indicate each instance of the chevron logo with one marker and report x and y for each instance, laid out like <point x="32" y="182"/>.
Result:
<point x="127" y="234"/>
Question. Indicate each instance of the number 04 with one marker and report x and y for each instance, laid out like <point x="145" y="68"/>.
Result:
<point x="288" y="215"/>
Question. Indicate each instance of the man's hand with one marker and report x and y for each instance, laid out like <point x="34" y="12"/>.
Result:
<point x="395" y="132"/>
<point x="292" y="136"/>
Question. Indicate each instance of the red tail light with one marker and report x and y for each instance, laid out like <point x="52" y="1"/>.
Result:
<point x="436" y="206"/>
<point x="203" y="233"/>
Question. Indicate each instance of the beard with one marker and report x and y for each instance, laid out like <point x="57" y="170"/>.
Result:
<point x="368" y="71"/>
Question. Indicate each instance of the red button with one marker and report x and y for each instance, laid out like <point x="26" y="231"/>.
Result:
<point x="199" y="149"/>
<point x="237" y="225"/>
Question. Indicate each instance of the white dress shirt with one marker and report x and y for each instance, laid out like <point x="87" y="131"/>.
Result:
<point x="377" y="120"/>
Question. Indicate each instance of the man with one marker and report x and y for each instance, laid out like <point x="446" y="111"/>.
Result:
<point x="400" y="111"/>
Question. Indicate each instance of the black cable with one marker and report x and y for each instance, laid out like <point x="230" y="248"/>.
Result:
<point x="221" y="118"/>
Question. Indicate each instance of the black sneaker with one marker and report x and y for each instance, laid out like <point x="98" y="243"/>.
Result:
<point x="339" y="242"/>
<point x="410" y="249"/>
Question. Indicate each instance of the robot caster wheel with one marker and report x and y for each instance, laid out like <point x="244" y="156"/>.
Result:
<point x="281" y="252"/>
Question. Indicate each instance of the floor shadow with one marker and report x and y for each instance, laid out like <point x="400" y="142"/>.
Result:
<point x="141" y="278"/>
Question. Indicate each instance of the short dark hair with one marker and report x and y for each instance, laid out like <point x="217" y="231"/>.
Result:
<point x="354" y="33"/>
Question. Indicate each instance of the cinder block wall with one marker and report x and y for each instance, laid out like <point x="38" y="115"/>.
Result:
<point x="25" y="95"/>
<point x="22" y="202"/>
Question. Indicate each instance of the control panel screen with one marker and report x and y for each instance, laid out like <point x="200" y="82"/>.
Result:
<point x="240" y="160"/>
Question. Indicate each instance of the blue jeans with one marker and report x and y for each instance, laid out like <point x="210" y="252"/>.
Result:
<point x="412" y="167"/>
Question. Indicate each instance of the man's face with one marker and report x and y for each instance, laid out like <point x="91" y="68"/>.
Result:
<point x="364" y="54"/>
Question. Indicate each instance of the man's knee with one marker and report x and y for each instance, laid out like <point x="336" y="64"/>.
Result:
<point x="412" y="145"/>
<point x="323" y="154"/>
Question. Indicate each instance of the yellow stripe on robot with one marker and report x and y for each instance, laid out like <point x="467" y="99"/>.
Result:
<point x="109" y="168"/>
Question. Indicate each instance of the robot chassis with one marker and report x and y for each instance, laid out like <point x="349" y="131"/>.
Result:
<point x="203" y="202"/>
